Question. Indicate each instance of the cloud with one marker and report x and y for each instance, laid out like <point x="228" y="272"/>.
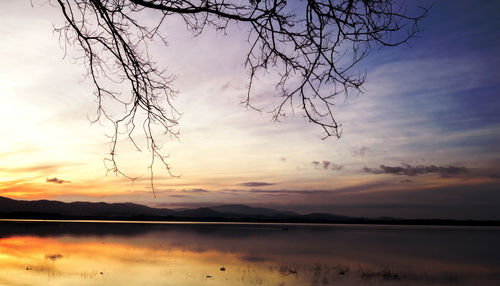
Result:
<point x="494" y="176"/>
<point x="327" y="165"/>
<point x="361" y="152"/>
<point x="286" y="192"/>
<point x="231" y="85"/>
<point x="56" y="181"/>
<point x="290" y="192"/>
<point x="196" y="191"/>
<point x="336" y="167"/>
<point x="409" y="170"/>
<point x="256" y="184"/>
<point x="316" y="164"/>
<point x="225" y="86"/>
<point x="177" y="196"/>
<point x="182" y="204"/>
<point x="406" y="181"/>
<point x="32" y="169"/>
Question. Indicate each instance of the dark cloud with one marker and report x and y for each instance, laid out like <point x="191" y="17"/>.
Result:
<point x="275" y="193"/>
<point x="361" y="152"/>
<point x="343" y="190"/>
<point x="256" y="184"/>
<point x="289" y="192"/>
<point x="409" y="170"/>
<point x="177" y="196"/>
<point x="56" y="181"/>
<point x="406" y="181"/>
<point x="494" y="176"/>
<point x="327" y="165"/>
<point x="316" y="164"/>
<point x="196" y="191"/>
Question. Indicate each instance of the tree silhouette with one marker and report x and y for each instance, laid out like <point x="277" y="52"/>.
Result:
<point x="312" y="45"/>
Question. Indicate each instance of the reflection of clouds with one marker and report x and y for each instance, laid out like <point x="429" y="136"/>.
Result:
<point x="189" y="251"/>
<point x="251" y="258"/>
<point x="53" y="257"/>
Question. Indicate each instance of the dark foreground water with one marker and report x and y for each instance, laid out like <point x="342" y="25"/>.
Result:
<point x="62" y="253"/>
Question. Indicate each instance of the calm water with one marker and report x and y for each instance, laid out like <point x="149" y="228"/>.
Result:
<point x="56" y="253"/>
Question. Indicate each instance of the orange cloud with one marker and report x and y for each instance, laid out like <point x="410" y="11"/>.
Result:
<point x="56" y="180"/>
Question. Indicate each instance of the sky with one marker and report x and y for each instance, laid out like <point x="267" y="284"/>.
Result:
<point x="422" y="141"/>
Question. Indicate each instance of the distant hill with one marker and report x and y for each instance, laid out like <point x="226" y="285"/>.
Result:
<point x="79" y="208"/>
<point x="45" y="209"/>
<point x="11" y="206"/>
<point x="246" y="210"/>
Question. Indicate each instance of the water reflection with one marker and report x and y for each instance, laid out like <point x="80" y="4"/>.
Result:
<point x="191" y="254"/>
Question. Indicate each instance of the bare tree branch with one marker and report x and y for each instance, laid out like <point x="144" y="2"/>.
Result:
<point x="312" y="45"/>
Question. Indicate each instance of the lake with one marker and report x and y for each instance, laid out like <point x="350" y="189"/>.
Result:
<point x="90" y="253"/>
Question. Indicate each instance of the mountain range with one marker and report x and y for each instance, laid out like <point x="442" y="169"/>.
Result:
<point x="46" y="209"/>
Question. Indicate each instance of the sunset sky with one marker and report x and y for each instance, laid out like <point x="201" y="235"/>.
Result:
<point x="423" y="140"/>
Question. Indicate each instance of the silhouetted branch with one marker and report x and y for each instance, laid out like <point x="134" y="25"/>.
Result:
<point x="312" y="46"/>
